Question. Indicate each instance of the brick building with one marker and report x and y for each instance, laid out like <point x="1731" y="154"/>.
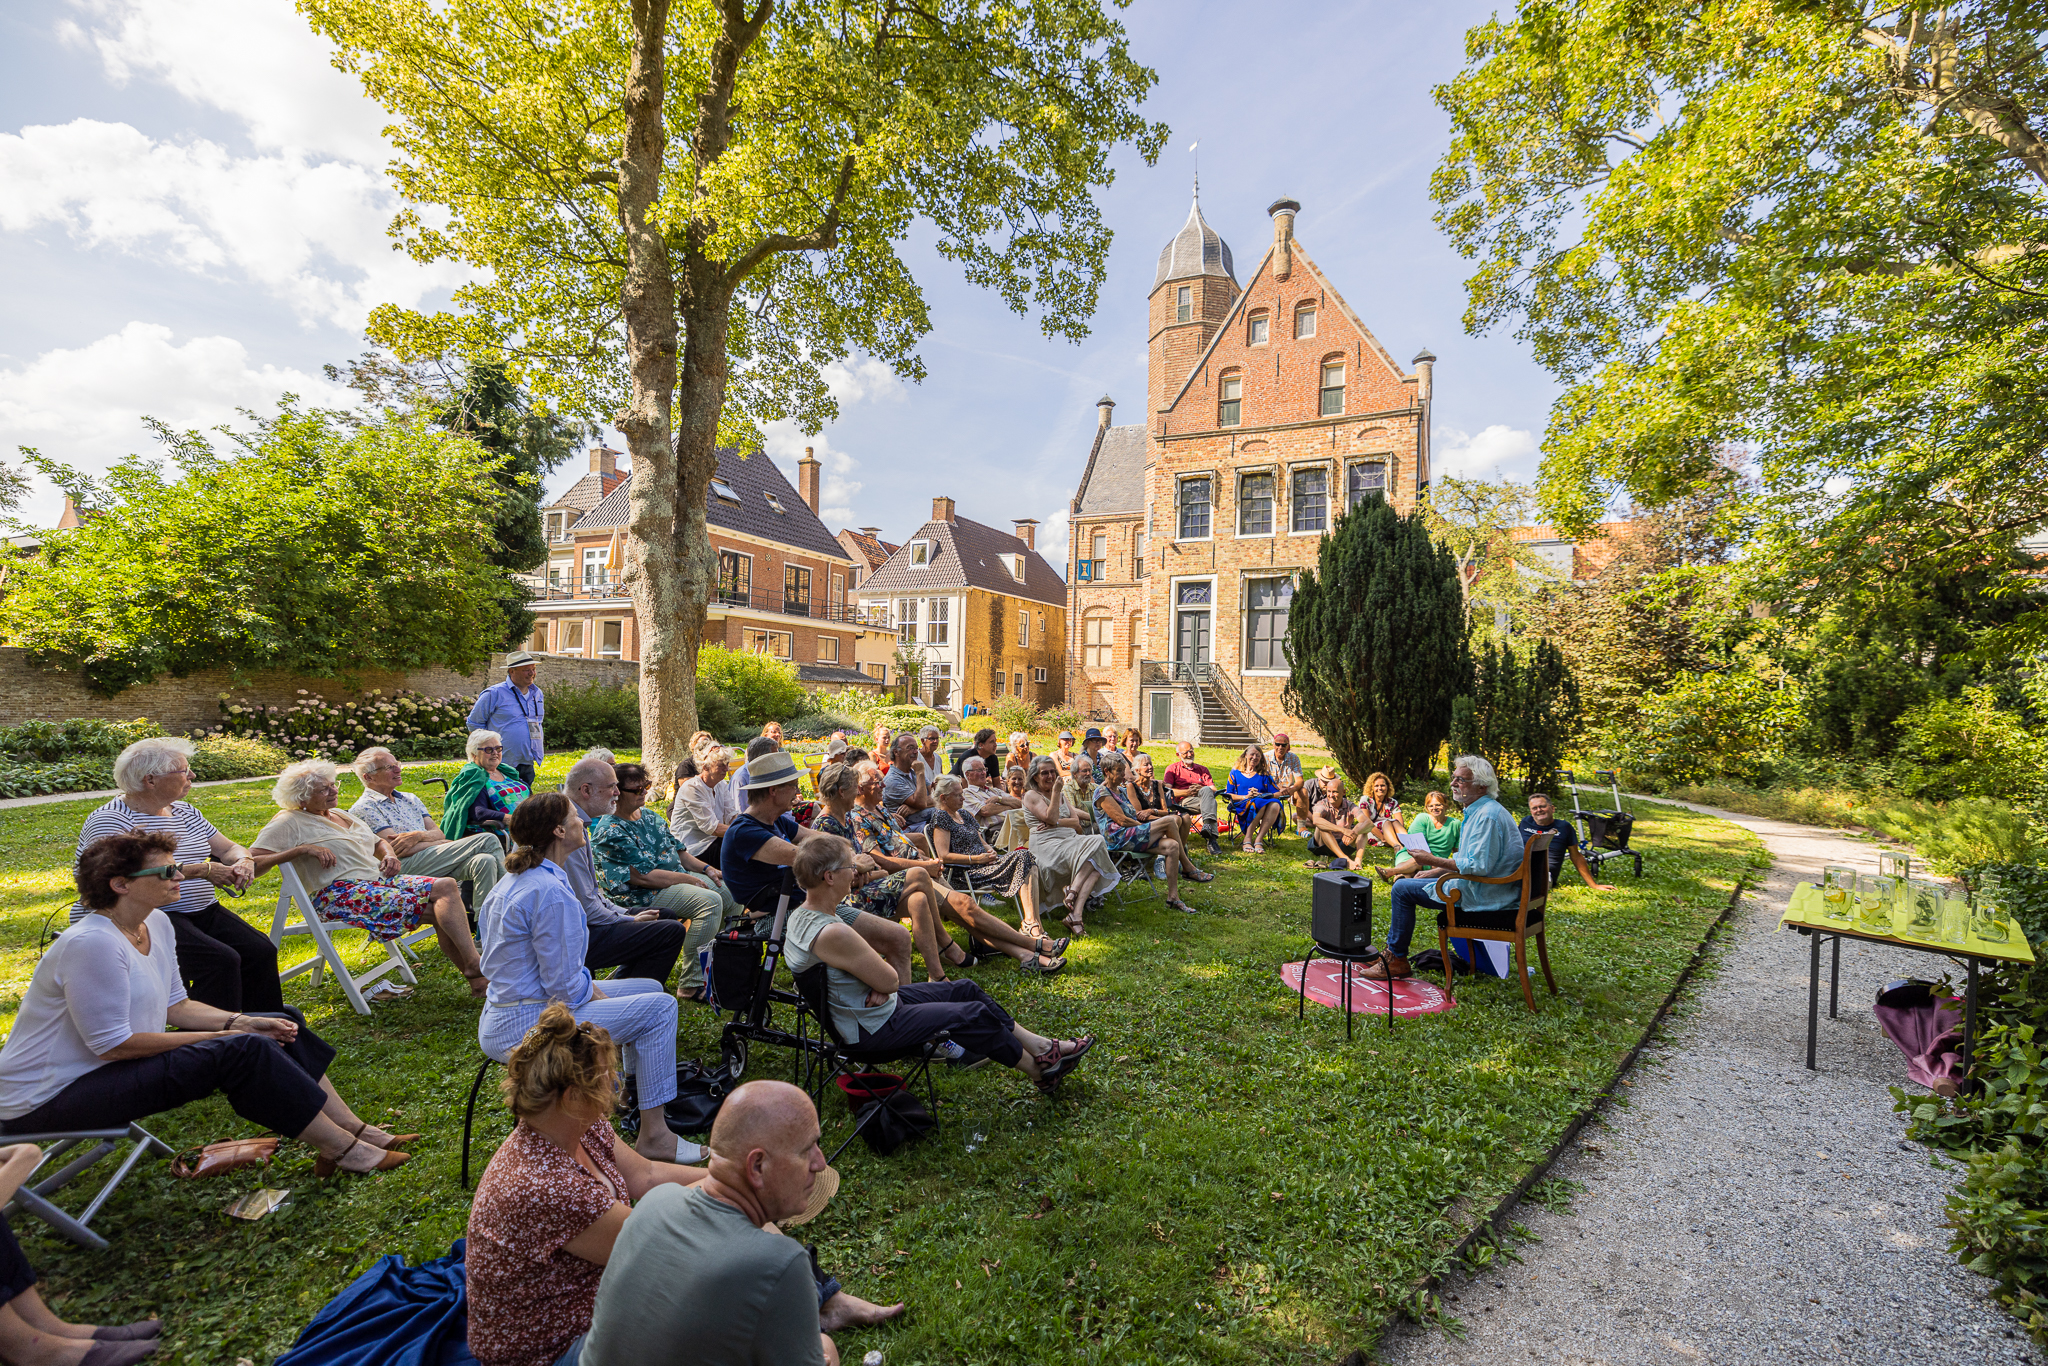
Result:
<point x="782" y="586"/>
<point x="983" y="608"/>
<point x="874" y="653"/>
<point x="1270" y="409"/>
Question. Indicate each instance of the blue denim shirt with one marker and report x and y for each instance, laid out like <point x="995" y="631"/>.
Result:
<point x="1489" y="845"/>
<point x="516" y="716"/>
<point x="534" y="939"/>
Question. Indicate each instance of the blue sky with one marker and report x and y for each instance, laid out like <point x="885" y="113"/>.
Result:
<point x="193" y="211"/>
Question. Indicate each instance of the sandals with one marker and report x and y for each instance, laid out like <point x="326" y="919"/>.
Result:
<point x="1199" y="875"/>
<point x="1040" y="965"/>
<point x="395" y="1139"/>
<point x="1056" y="1061"/>
<point x="1174" y="903"/>
<point x="1051" y="948"/>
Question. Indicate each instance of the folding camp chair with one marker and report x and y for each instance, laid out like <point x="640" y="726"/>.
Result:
<point x="399" y="957"/>
<point x="842" y="1058"/>
<point x="33" y="1197"/>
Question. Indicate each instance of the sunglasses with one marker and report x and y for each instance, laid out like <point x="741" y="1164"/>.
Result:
<point x="632" y="791"/>
<point x="170" y="872"/>
<point x="490" y="749"/>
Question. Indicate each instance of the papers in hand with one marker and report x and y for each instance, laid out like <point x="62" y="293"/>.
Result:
<point x="1413" y="842"/>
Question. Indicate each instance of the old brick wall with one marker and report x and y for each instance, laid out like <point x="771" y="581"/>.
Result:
<point x="31" y="693"/>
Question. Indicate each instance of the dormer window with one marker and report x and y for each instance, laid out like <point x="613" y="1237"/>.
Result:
<point x="1255" y="334"/>
<point x="1016" y="566"/>
<point x="1229" y="395"/>
<point x="724" y="492"/>
<point x="1184" y="304"/>
<point x="1304" y="321"/>
<point x="920" y="553"/>
<point x="774" y="502"/>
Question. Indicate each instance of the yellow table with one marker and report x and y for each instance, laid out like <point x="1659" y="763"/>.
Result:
<point x="1803" y="914"/>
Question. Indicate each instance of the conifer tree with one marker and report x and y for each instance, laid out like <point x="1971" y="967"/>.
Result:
<point x="1376" y="642"/>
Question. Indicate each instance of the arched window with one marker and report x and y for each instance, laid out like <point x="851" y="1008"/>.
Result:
<point x="1332" y="388"/>
<point x="1095" y="640"/>
<point x="1229" y="399"/>
<point x="1255" y="329"/>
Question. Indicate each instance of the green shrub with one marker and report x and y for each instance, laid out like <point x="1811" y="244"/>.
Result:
<point x="50" y="742"/>
<point x="762" y="687"/>
<point x="1968" y="746"/>
<point x="1712" y="725"/>
<point x="717" y="712"/>
<point x="900" y="718"/>
<point x="1013" y="714"/>
<point x="410" y="725"/>
<point x="593" y="716"/>
<point x="28" y="778"/>
<point x="1062" y="717"/>
<point x="232" y="756"/>
<point x="1954" y="836"/>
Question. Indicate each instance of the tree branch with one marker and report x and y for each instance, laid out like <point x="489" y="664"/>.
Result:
<point x="824" y="237"/>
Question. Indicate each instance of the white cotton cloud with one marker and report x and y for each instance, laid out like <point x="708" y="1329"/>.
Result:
<point x="1052" y="539"/>
<point x="258" y="61"/>
<point x="1498" y="452"/>
<point x="313" y="234"/>
<point x="785" y="443"/>
<point x="864" y="379"/>
<point x="85" y="406"/>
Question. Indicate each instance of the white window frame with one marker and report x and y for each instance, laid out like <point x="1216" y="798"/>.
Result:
<point x="1360" y="463"/>
<point x="1230" y="389"/>
<point x="906" y="621"/>
<point x="1258" y="328"/>
<point x="824" y="641"/>
<point x="1107" y="645"/>
<point x="1324" y="388"/>
<point x="1038" y="675"/>
<point x="572" y="637"/>
<point x="1304" y="313"/>
<point x="597" y="555"/>
<point x="603" y="650"/>
<point x="938" y="625"/>
<point x="920" y="554"/>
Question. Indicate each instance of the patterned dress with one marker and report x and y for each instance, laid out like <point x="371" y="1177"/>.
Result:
<point x="623" y="848"/>
<point x="1122" y="838"/>
<point x="881" y="897"/>
<point x="1005" y="877"/>
<point x="1375" y="812"/>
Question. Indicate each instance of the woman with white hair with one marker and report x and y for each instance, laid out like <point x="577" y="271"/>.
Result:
<point x="222" y="959"/>
<point x="353" y="875"/>
<point x="483" y="791"/>
<point x="1073" y="861"/>
<point x="705" y="804"/>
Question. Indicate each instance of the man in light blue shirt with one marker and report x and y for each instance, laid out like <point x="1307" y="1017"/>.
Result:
<point x="1489" y="845"/>
<point x="515" y="709"/>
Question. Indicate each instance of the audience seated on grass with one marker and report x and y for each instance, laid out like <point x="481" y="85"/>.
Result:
<point x="401" y="820"/>
<point x="997" y="809"/>
<point x="928" y="764"/>
<point x="874" y="1013"/>
<point x="957" y="843"/>
<point x="641" y="866"/>
<point x="1117" y="821"/>
<point x="1339" y="826"/>
<point x="906" y="793"/>
<point x="1074" y="866"/>
<point x="1379" y="811"/>
<point x="1285" y="766"/>
<point x="1255" y="800"/>
<point x="1543" y="816"/>
<point x="756" y="747"/>
<point x="1192" y="786"/>
<point x="92" y="1047"/>
<point x="705" y="1276"/>
<point x="1151" y="800"/>
<point x="1438" y="828"/>
<point x="483" y="791"/>
<point x="762" y="844"/>
<point x="705" y="804"/>
<point x="222" y="960"/>
<point x="29" y="1333"/>
<point x="1019" y="754"/>
<point x="535" y="940"/>
<point x="353" y="875"/>
<point x="1489" y="845"/>
<point x="1092" y="746"/>
<point x="921" y="895"/>
<point x="550" y="1205"/>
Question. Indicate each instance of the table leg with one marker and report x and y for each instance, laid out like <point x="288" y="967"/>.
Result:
<point x="1812" y="1001"/>
<point x="1835" y="979"/>
<point x="1969" y="1018"/>
<point x="1301" y="1007"/>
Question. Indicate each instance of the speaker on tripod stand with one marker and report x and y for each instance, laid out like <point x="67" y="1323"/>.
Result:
<point x="1340" y="912"/>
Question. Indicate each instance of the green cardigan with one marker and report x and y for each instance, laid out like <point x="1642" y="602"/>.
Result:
<point x="463" y="790"/>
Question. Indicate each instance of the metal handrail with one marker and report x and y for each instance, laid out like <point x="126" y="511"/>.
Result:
<point x="1247" y="715"/>
<point x="1193" y="677"/>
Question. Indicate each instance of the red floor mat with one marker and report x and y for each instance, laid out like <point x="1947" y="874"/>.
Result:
<point x="1412" y="995"/>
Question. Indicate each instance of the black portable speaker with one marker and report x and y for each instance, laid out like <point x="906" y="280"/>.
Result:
<point x="1341" y="911"/>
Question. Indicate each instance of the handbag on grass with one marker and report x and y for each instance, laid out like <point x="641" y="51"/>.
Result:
<point x="889" y="1114"/>
<point x="224" y="1156"/>
<point x="700" y="1094"/>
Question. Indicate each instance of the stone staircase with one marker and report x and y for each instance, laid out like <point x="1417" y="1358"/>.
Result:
<point x="1219" y="726"/>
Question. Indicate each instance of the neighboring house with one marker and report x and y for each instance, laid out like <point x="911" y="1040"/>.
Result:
<point x="1270" y="410"/>
<point x="981" y="606"/>
<point x="782" y="579"/>
<point x="874" y="656"/>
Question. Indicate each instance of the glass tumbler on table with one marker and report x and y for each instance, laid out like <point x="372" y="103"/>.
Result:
<point x="1837" y="890"/>
<point x="1922" y="901"/>
<point x="1989" y="918"/>
<point x="1875" y="896"/>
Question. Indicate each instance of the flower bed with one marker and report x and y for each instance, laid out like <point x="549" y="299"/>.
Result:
<point x="411" y="725"/>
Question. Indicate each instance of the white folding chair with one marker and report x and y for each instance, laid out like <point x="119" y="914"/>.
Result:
<point x="399" y="957"/>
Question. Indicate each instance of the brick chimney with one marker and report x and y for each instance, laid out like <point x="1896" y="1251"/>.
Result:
<point x="942" y="509"/>
<point x="1027" y="532"/>
<point x="1104" y="406"/>
<point x="604" y="460"/>
<point x="807" y="478"/>
<point x="1283" y="211"/>
<point x="70" y="520"/>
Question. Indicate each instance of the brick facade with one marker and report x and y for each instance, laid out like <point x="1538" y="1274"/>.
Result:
<point x="1272" y="409"/>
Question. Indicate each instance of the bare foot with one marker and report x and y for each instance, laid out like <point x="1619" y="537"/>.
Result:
<point x="849" y="1311"/>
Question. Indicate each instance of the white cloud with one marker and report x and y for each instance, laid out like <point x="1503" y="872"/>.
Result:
<point x="1052" y="539"/>
<point x="785" y="443"/>
<point x="1498" y="452"/>
<point x="864" y="379"/>
<point x="313" y="234"/>
<point x="85" y="406"/>
<point x="257" y="60"/>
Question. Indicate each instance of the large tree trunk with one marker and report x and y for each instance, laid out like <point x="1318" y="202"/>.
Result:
<point x="667" y="600"/>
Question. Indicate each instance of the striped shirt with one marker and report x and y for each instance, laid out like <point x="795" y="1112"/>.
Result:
<point x="195" y="842"/>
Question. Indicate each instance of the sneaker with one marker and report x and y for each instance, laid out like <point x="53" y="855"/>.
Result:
<point x="1159" y="868"/>
<point x="948" y="1051"/>
<point x="991" y="899"/>
<point x="1214" y="847"/>
<point x="960" y="1059"/>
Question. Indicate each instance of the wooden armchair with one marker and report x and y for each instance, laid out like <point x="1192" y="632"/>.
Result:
<point x="1534" y="879"/>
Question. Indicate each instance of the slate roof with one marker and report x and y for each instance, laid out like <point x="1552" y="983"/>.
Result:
<point x="832" y="673"/>
<point x="754" y="478"/>
<point x="1196" y="249"/>
<point x="1114" y="480"/>
<point x="585" y="494"/>
<point x="876" y="550"/>
<point x="966" y="554"/>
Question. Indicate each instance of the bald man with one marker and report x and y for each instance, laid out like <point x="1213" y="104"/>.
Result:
<point x="709" y="1280"/>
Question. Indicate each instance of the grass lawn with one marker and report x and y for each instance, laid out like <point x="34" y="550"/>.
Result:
<point x="1218" y="1184"/>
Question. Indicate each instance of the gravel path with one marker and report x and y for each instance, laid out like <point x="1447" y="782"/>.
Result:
<point x="1737" y="1207"/>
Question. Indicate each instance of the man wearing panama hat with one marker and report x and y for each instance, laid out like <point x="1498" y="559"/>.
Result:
<point x="515" y="709"/>
<point x="761" y="843"/>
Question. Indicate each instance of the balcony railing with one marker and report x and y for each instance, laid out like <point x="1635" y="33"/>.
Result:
<point x="609" y="587"/>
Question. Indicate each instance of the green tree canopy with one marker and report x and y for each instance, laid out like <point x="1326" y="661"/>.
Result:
<point x="318" y="547"/>
<point x="1376" y="642"/>
<point x="695" y="286"/>
<point x="1811" y="230"/>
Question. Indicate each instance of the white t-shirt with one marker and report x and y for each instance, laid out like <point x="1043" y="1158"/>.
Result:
<point x="91" y="991"/>
<point x="195" y="836"/>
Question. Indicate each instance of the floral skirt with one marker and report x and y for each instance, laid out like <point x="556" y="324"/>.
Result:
<point x="1123" y="838"/>
<point x="1006" y="876"/>
<point x="387" y="907"/>
<point x="883" y="897"/>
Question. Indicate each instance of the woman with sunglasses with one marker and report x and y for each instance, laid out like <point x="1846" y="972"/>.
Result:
<point x="92" y="1046"/>
<point x="484" y="791"/>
